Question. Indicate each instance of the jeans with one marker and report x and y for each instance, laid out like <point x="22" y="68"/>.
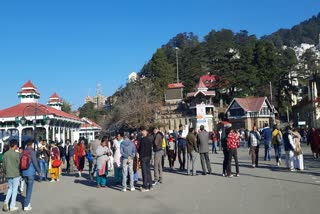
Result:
<point x="125" y="168"/>
<point x="157" y="165"/>
<point x="43" y="168"/>
<point x="29" y="183"/>
<point x="117" y="174"/>
<point x="277" y="152"/>
<point x="182" y="149"/>
<point x="233" y="153"/>
<point x="225" y="161"/>
<point x="204" y="157"/>
<point x="267" y="150"/>
<point x="146" y="173"/>
<point x="191" y="162"/>
<point x="13" y="184"/>
<point x="214" y="147"/>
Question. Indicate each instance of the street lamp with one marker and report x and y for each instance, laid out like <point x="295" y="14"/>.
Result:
<point x="46" y="119"/>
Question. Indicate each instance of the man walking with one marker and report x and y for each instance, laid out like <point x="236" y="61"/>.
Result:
<point x="11" y="163"/>
<point x="69" y="152"/>
<point x="128" y="152"/>
<point x="93" y="148"/>
<point x="158" y="153"/>
<point x="182" y="147"/>
<point x="253" y="144"/>
<point x="192" y="151"/>
<point x="30" y="173"/>
<point x="267" y="136"/>
<point x="203" y="143"/>
<point x="145" y="155"/>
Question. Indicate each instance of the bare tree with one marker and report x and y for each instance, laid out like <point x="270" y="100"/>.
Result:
<point x="136" y="106"/>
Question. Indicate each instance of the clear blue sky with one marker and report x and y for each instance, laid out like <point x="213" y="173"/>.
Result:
<point x="69" y="46"/>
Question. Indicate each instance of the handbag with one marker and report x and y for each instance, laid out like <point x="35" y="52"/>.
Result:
<point x="56" y="163"/>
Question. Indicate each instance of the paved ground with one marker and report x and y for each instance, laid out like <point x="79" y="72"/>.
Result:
<point x="267" y="189"/>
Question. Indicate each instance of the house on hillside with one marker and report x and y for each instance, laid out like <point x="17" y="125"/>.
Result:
<point x="246" y="112"/>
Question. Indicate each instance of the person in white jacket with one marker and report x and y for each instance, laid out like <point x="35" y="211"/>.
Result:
<point x="289" y="147"/>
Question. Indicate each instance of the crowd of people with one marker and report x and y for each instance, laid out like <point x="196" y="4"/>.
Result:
<point x="126" y="153"/>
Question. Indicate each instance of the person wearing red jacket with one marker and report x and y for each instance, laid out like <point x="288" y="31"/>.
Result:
<point x="233" y="143"/>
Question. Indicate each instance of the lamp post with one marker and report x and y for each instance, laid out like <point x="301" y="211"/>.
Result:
<point x="46" y="119"/>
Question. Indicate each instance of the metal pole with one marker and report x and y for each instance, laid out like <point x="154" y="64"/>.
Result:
<point x="35" y="126"/>
<point x="177" y="64"/>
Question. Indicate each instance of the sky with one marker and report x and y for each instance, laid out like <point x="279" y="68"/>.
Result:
<point x="69" y="46"/>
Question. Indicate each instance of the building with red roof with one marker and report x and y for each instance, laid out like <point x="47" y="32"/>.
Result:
<point x="89" y="129"/>
<point x="250" y="111"/>
<point x="44" y="121"/>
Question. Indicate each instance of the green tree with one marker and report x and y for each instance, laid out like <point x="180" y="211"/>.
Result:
<point x="66" y="106"/>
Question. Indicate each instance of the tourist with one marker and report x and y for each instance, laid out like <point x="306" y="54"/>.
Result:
<point x="277" y="140"/>
<point x="298" y="155"/>
<point x="225" y="150"/>
<point x="289" y="147"/>
<point x="253" y="144"/>
<point x="233" y="143"/>
<point x="43" y="158"/>
<point x="136" y="164"/>
<point x="80" y="154"/>
<point x="158" y="153"/>
<point x="203" y="145"/>
<point x="11" y="168"/>
<point x="214" y="142"/>
<point x="117" y="158"/>
<point x="128" y="152"/>
<point x="21" y="182"/>
<point x="192" y="149"/>
<point x="69" y="152"/>
<point x="145" y="155"/>
<point x="267" y="137"/>
<point x="314" y="141"/>
<point x="54" y="156"/>
<point x="182" y="147"/>
<point x="30" y="173"/>
<point x="102" y="153"/>
<point x="171" y="151"/>
<point x="93" y="148"/>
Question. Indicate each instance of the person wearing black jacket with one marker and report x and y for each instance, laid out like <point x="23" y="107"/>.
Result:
<point x="145" y="155"/>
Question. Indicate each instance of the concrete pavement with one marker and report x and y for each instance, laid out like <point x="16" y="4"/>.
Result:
<point x="267" y="189"/>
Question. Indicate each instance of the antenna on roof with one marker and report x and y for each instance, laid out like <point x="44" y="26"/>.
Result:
<point x="99" y="90"/>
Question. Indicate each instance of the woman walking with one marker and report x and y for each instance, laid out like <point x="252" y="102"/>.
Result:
<point x="54" y="157"/>
<point x="298" y="155"/>
<point x="171" y="151"/>
<point x="103" y="153"/>
<point x="313" y="140"/>
<point x="80" y="155"/>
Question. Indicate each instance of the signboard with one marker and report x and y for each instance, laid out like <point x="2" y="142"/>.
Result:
<point x="301" y="123"/>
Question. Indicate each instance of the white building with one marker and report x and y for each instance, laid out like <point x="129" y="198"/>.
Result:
<point x="132" y="77"/>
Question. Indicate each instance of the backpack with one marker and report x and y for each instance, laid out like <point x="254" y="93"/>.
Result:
<point x="279" y="138"/>
<point x="25" y="160"/>
<point x="164" y="142"/>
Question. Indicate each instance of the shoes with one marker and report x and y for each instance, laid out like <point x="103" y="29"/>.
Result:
<point x="28" y="208"/>
<point x="79" y="174"/>
<point x="58" y="180"/>
<point x="223" y="175"/>
<point x="124" y="190"/>
<point x="230" y="176"/>
<point x="5" y="207"/>
<point x="237" y="175"/>
<point x="155" y="183"/>
<point x="293" y="170"/>
<point x="204" y="173"/>
<point x="14" y="209"/>
<point x="253" y="166"/>
<point x="278" y="164"/>
<point x="98" y="186"/>
<point x="144" y="190"/>
<point x="52" y="181"/>
<point x="132" y="189"/>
